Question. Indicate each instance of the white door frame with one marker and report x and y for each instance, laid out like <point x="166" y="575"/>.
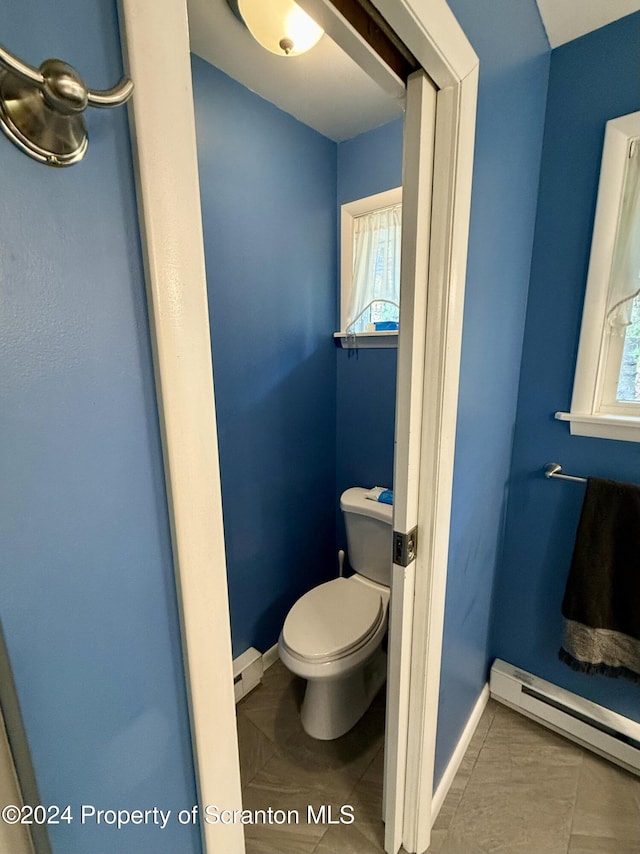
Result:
<point x="417" y="197"/>
<point x="156" y="48"/>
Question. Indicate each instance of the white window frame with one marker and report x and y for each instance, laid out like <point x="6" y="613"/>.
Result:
<point x="349" y="212"/>
<point x="598" y="351"/>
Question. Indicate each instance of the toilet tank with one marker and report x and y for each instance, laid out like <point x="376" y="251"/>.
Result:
<point x="369" y="527"/>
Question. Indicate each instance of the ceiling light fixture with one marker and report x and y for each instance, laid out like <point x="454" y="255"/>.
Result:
<point x="280" y="26"/>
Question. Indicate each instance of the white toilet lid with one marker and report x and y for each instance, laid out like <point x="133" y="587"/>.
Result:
<point x="331" y="619"/>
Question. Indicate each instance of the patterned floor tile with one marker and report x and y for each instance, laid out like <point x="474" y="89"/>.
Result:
<point x="608" y="802"/>
<point x="254" y="747"/>
<point x="346" y="839"/>
<point x="274" y="706"/>
<point x="579" y="844"/>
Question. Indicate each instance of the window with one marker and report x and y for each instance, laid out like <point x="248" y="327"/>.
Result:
<point x="370" y="247"/>
<point x="606" y="393"/>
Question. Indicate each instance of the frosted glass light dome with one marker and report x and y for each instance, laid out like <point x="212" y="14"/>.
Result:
<point x="280" y="26"/>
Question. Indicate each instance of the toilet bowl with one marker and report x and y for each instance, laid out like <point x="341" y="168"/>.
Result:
<point x="332" y="636"/>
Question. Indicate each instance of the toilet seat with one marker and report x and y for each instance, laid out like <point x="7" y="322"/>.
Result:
<point x="332" y="620"/>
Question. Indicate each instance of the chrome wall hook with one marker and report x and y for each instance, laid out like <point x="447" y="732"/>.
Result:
<point x="41" y="108"/>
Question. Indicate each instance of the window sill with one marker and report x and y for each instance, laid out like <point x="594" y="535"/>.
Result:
<point x="622" y="427"/>
<point x="367" y="340"/>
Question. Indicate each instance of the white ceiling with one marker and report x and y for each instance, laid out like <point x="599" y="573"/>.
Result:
<point x="565" y="20"/>
<point x="325" y="88"/>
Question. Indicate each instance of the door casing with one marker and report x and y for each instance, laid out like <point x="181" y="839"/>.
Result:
<point x="155" y="42"/>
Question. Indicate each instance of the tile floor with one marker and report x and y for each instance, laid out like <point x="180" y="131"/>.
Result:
<point x="521" y="789"/>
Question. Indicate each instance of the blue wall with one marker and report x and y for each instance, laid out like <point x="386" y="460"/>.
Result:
<point x="366" y="379"/>
<point x="593" y="79"/>
<point x="514" y="62"/>
<point x="268" y="186"/>
<point x="87" y="595"/>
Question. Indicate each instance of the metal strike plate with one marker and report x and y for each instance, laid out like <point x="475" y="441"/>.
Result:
<point x="404" y="547"/>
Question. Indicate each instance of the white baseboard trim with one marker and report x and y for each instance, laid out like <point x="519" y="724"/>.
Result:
<point x="458" y="754"/>
<point x="270" y="656"/>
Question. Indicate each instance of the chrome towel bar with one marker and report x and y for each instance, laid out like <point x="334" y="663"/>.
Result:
<point x="555" y="470"/>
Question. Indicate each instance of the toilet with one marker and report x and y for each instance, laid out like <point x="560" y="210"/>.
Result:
<point x="332" y="636"/>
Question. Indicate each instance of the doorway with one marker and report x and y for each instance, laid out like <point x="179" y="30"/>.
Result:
<point x="173" y="243"/>
<point x="270" y="189"/>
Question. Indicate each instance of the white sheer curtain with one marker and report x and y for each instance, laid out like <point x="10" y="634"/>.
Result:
<point x="625" y="274"/>
<point x="376" y="264"/>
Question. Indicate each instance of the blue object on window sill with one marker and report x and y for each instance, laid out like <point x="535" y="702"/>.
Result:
<point x="386" y="497"/>
<point x="386" y="325"/>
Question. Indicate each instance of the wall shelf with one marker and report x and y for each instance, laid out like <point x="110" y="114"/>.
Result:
<point x="367" y="340"/>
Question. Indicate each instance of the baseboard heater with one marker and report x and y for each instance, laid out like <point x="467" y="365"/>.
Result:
<point x="604" y="732"/>
<point x="247" y="672"/>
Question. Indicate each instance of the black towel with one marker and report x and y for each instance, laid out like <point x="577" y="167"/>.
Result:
<point x="601" y="604"/>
